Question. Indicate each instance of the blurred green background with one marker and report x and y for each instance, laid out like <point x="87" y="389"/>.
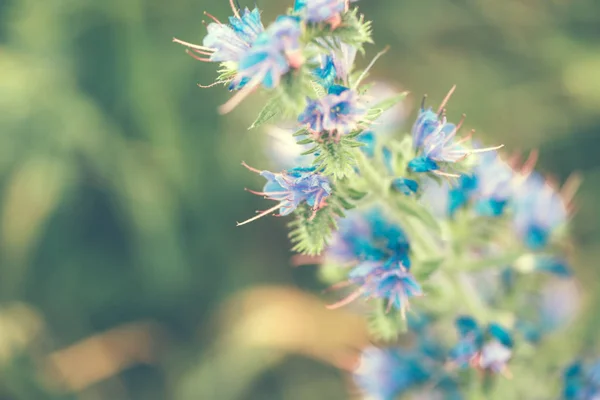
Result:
<point x="122" y="274"/>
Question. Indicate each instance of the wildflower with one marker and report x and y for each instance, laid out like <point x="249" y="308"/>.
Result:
<point x="384" y="374"/>
<point x="581" y="382"/>
<point x="488" y="350"/>
<point x="538" y="211"/>
<point x="335" y="66"/>
<point x="405" y="186"/>
<point x="315" y="11"/>
<point x="227" y="42"/>
<point x="337" y="113"/>
<point x="434" y="138"/>
<point x="377" y="253"/>
<point x="273" y="53"/>
<point x="290" y="188"/>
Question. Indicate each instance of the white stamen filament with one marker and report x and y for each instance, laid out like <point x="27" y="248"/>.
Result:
<point x="262" y="214"/>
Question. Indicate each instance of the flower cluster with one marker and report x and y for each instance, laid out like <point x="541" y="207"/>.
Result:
<point x="377" y="253"/>
<point x="392" y="216"/>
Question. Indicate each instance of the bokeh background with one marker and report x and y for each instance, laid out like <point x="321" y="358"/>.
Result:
<point x="122" y="274"/>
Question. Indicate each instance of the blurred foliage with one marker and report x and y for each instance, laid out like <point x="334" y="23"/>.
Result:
<point x="120" y="187"/>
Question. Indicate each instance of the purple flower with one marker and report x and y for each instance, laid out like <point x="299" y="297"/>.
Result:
<point x="291" y="188"/>
<point x="538" y="211"/>
<point x="316" y="11"/>
<point x="338" y="113"/>
<point x="227" y="42"/>
<point x="434" y="138"/>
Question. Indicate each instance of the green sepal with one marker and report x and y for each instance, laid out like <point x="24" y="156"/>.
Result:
<point x="386" y="325"/>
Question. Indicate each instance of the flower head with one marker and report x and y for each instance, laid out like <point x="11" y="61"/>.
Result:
<point x="316" y="11"/>
<point x="292" y="187"/>
<point x="228" y="42"/>
<point x="538" y="211"/>
<point x="377" y="253"/>
<point x="338" y="113"/>
<point x="488" y="350"/>
<point x="435" y="138"/>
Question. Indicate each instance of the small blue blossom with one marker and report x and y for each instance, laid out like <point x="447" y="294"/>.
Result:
<point x="271" y="56"/>
<point x="335" y="66"/>
<point x="488" y="350"/>
<point x="434" y="138"/>
<point x="337" y="113"/>
<point x="405" y="186"/>
<point x="291" y="188"/>
<point x="581" y="382"/>
<point x="228" y="42"/>
<point x="384" y="374"/>
<point x="316" y="11"/>
<point x="377" y="253"/>
<point x="538" y="212"/>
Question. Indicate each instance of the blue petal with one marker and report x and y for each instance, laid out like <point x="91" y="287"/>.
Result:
<point x="466" y="326"/>
<point x="422" y="164"/>
<point x="500" y="334"/>
<point x="553" y="265"/>
<point x="405" y="186"/>
<point x="536" y="237"/>
<point x="337" y="89"/>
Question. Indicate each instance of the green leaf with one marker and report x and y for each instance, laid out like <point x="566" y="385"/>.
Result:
<point x="271" y="110"/>
<point x="310" y="234"/>
<point x="353" y="30"/>
<point x="386" y="325"/>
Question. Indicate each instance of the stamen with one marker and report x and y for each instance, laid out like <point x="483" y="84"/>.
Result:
<point x="462" y="140"/>
<point x="347" y="300"/>
<point x="262" y="214"/>
<point x="209" y="86"/>
<point x="423" y="101"/>
<point x="446" y="174"/>
<point x="237" y="98"/>
<point x="196" y="57"/>
<point x="250" y="168"/>
<point x="462" y="119"/>
<point x="364" y="73"/>
<point x="443" y="104"/>
<point x="235" y="11"/>
<point x="203" y="52"/>
<point x="339" y="285"/>
<point x="474" y="151"/>
<point x="193" y="46"/>
<point x="264" y="193"/>
<point x="212" y="17"/>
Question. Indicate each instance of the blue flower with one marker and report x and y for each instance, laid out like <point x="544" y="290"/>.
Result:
<point x="316" y="11"/>
<point x="405" y="186"/>
<point x="291" y="188"/>
<point x="337" y="113"/>
<point x="377" y="253"/>
<point x="335" y="66"/>
<point x="488" y="350"/>
<point x="273" y="53"/>
<point x="538" y="212"/>
<point x="581" y="382"/>
<point x="434" y="138"/>
<point x="228" y="42"/>
<point x="494" y="184"/>
<point x="384" y="374"/>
